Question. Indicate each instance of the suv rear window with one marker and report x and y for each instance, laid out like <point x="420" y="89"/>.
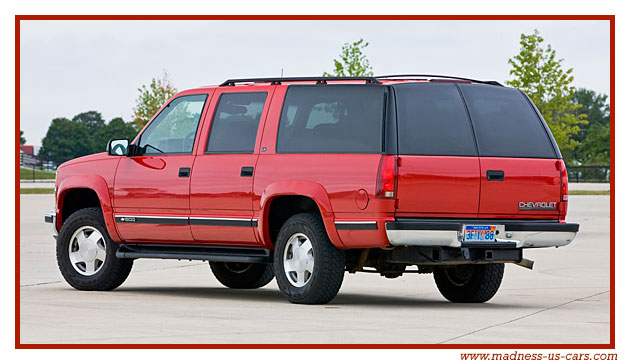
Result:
<point x="505" y="123"/>
<point x="432" y="120"/>
<point x="332" y="119"/>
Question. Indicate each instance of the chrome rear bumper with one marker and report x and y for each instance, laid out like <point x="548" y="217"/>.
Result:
<point x="449" y="233"/>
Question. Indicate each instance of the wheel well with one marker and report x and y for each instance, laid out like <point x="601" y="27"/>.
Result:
<point x="77" y="199"/>
<point x="283" y="207"/>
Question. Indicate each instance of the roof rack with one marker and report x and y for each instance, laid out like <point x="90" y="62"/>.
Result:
<point x="495" y="83"/>
<point x="319" y="80"/>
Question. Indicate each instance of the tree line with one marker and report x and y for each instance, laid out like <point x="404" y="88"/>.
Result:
<point x="578" y="118"/>
<point x="88" y="133"/>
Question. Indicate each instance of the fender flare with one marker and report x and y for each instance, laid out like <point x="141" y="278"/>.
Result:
<point x="97" y="184"/>
<point x="312" y="190"/>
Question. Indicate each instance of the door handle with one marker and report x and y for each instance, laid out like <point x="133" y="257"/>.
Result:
<point x="494" y="175"/>
<point x="247" y="171"/>
<point x="184" y="172"/>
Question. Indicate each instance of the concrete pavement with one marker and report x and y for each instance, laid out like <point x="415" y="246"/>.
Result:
<point x="564" y="300"/>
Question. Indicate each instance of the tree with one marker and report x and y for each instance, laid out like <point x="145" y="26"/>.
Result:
<point x="93" y="120"/>
<point x="115" y="129"/>
<point x="594" y="138"/>
<point x="353" y="62"/>
<point x="65" y="140"/>
<point x="22" y="138"/>
<point x="539" y="73"/>
<point x="595" y="149"/>
<point x="151" y="99"/>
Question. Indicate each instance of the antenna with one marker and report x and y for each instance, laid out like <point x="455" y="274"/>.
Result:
<point x="281" y="72"/>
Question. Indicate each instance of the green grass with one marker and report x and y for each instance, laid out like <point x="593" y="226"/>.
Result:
<point x="582" y="192"/>
<point x="27" y="173"/>
<point x="37" y="191"/>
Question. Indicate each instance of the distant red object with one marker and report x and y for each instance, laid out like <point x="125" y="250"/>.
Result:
<point x="28" y="149"/>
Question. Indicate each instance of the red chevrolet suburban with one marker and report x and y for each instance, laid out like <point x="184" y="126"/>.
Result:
<point x="303" y="179"/>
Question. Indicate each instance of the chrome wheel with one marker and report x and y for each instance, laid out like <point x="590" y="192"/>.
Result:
<point x="298" y="260"/>
<point x="87" y="250"/>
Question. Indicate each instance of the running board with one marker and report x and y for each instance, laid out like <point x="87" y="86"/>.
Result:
<point x="195" y="252"/>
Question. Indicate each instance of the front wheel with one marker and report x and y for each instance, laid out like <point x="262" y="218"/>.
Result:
<point x="86" y="255"/>
<point x="469" y="283"/>
<point x="309" y="269"/>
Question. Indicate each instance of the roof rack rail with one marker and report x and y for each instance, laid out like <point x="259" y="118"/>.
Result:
<point x="320" y="80"/>
<point x="495" y="83"/>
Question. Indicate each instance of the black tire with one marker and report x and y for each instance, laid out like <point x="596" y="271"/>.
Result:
<point x="469" y="283"/>
<point x="112" y="272"/>
<point x="242" y="275"/>
<point x="328" y="267"/>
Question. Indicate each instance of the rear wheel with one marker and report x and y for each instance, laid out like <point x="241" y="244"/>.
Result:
<point x="469" y="283"/>
<point x="242" y="275"/>
<point x="309" y="269"/>
<point x="86" y="255"/>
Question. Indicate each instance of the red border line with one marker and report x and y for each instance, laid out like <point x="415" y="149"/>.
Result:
<point x="612" y="181"/>
<point x="610" y="18"/>
<point x="315" y="17"/>
<point x="17" y="182"/>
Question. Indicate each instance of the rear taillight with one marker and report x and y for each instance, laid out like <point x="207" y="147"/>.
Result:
<point x="387" y="175"/>
<point x="564" y="190"/>
<point x="565" y="183"/>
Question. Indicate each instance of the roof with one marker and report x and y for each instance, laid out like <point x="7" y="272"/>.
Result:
<point x="27" y="149"/>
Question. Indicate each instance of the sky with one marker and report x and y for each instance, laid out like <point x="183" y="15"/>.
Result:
<point x="69" y="67"/>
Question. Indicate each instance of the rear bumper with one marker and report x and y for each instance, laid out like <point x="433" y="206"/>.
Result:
<point x="449" y="233"/>
<point x="51" y="218"/>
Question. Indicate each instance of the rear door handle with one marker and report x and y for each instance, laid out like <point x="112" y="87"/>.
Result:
<point x="184" y="172"/>
<point x="494" y="175"/>
<point x="247" y="171"/>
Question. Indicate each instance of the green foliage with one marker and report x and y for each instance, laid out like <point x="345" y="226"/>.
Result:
<point x="594" y="148"/>
<point x="353" y="62"/>
<point x="115" y="129"/>
<point x="65" y="140"/>
<point x="151" y="99"/>
<point x="93" y="120"/>
<point x="538" y="72"/>
<point x="22" y="138"/>
<point x="68" y="139"/>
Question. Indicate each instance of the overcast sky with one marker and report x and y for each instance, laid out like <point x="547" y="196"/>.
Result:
<point x="68" y="67"/>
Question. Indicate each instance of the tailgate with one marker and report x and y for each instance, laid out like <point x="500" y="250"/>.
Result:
<point x="530" y="188"/>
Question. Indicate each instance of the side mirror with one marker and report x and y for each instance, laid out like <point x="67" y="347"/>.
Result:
<point x="118" y="147"/>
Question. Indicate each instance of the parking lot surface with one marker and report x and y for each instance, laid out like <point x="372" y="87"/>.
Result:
<point x="565" y="299"/>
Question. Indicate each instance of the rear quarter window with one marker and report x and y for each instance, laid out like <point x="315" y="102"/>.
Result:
<point x="432" y="120"/>
<point x="332" y="119"/>
<point x="505" y="123"/>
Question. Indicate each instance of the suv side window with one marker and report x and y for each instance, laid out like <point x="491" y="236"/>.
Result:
<point x="505" y="123"/>
<point x="332" y="119"/>
<point x="432" y="120"/>
<point x="173" y="130"/>
<point x="235" y="122"/>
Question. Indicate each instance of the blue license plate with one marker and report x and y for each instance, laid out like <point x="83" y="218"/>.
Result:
<point x="479" y="232"/>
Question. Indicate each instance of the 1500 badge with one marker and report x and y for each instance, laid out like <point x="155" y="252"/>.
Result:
<point x="536" y="205"/>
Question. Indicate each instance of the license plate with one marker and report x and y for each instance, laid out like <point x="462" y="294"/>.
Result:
<point x="479" y="232"/>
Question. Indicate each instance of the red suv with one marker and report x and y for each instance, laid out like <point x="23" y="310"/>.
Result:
<point x="306" y="178"/>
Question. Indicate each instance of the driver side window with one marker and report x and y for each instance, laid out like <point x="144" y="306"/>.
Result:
<point x="173" y="130"/>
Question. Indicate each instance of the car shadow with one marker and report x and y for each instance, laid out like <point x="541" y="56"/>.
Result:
<point x="342" y="300"/>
